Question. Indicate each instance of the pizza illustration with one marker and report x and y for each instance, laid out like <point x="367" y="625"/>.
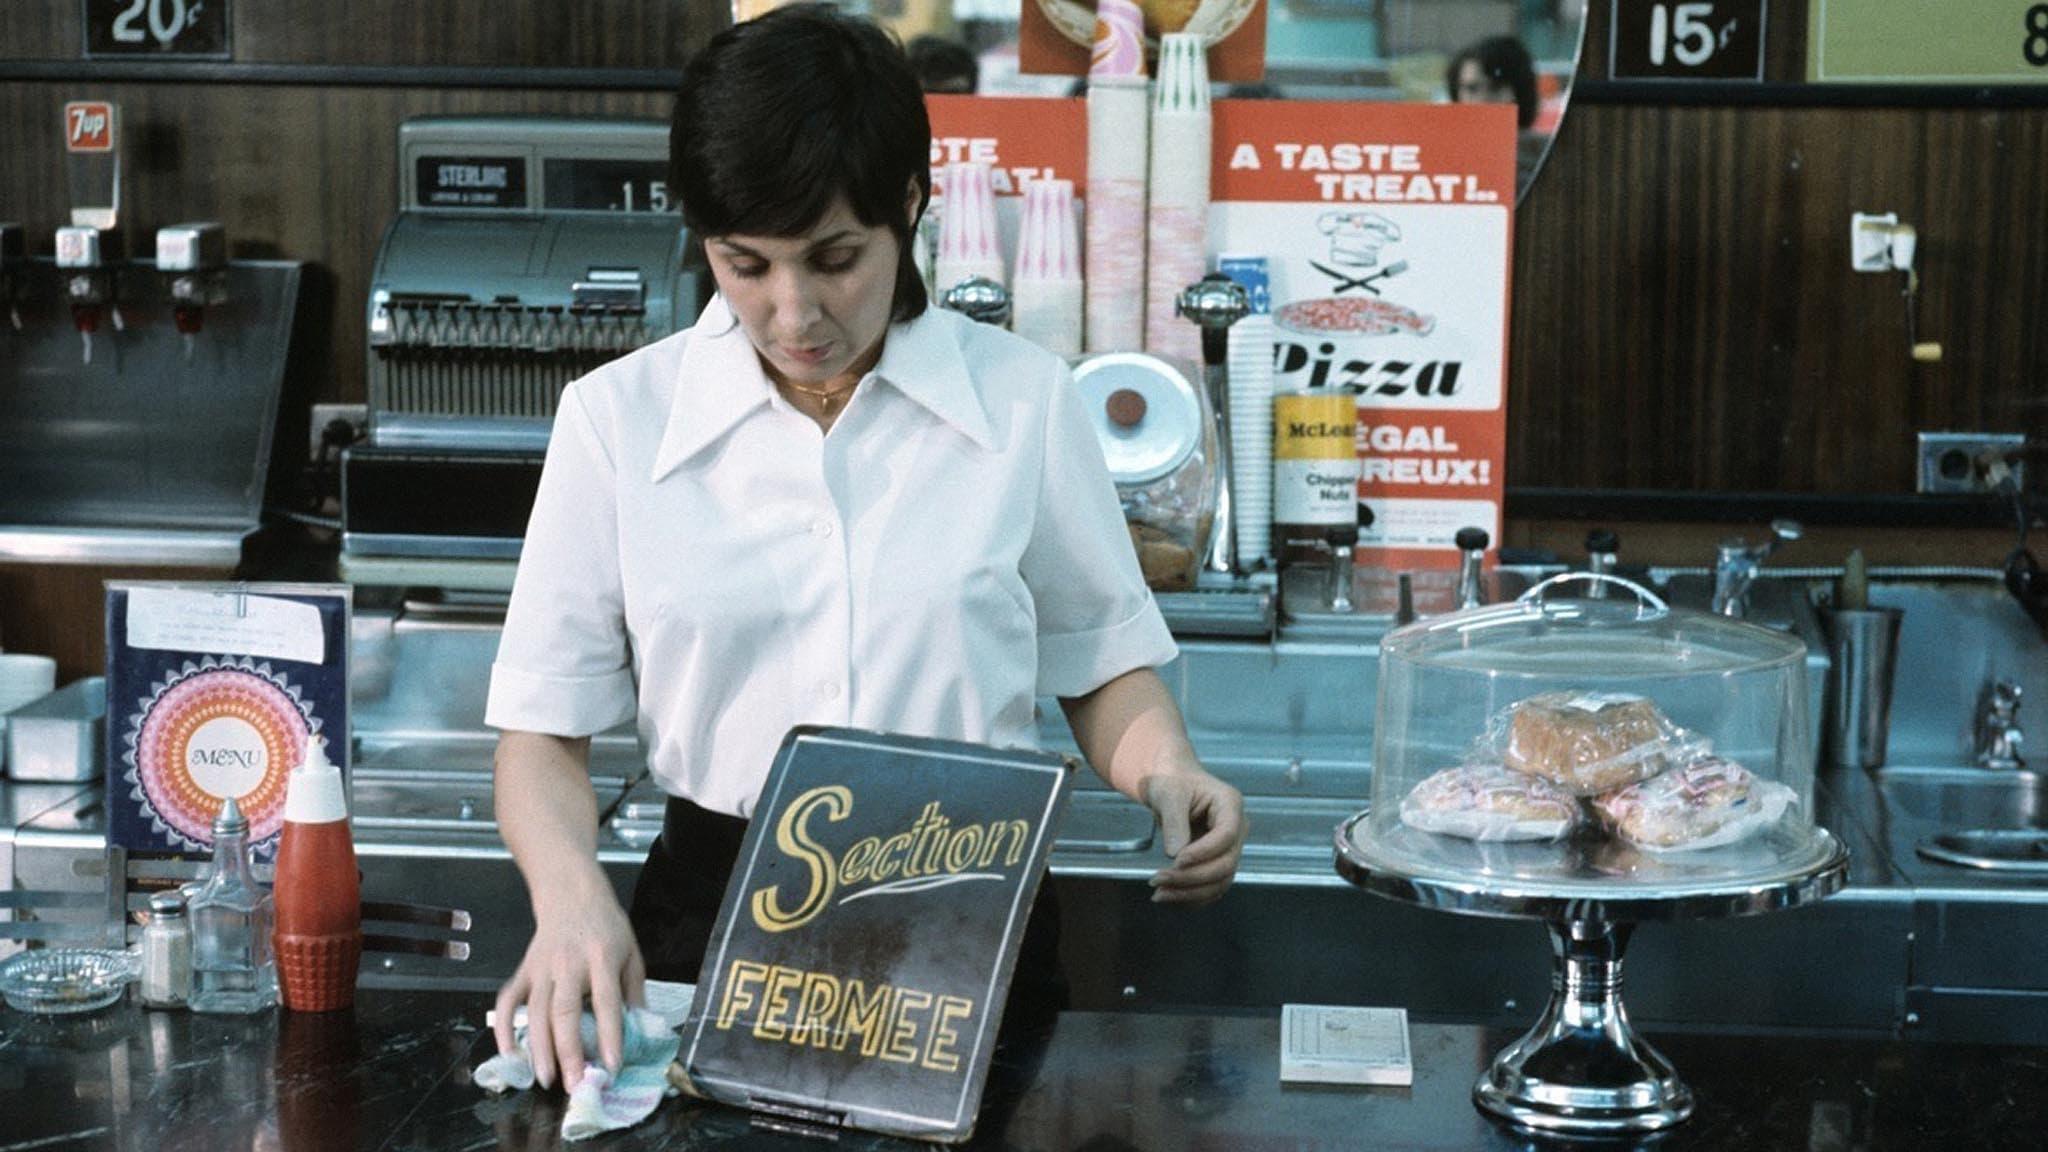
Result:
<point x="1351" y="316"/>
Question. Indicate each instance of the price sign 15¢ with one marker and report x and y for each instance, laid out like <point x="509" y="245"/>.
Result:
<point x="1687" y="39"/>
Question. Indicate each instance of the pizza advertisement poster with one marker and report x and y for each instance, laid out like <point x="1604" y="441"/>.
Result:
<point x="1054" y="36"/>
<point x="858" y="969"/>
<point x="214" y="690"/>
<point x="1388" y="234"/>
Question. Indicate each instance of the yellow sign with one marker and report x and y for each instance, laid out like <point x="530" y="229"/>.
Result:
<point x="1923" y="42"/>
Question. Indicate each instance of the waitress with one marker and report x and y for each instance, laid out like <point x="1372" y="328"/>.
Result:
<point x="826" y="503"/>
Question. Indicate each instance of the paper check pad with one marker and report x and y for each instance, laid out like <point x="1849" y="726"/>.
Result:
<point x="1330" y="1044"/>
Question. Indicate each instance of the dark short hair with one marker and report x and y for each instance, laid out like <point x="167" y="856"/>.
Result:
<point x="779" y="116"/>
<point x="1505" y="59"/>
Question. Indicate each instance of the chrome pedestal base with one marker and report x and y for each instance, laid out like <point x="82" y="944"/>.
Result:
<point x="1582" y="1070"/>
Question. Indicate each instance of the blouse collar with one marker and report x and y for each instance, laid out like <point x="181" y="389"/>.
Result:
<point x="719" y="381"/>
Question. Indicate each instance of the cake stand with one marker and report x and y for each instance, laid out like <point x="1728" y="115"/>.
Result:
<point x="1582" y="1070"/>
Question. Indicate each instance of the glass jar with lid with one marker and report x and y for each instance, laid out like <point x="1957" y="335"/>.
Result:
<point x="1608" y="747"/>
<point x="1158" y="436"/>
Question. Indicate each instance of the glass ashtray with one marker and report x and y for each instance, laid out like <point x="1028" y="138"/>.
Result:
<point x="55" y="981"/>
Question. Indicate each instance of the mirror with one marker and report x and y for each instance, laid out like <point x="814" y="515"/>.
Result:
<point x="1324" y="50"/>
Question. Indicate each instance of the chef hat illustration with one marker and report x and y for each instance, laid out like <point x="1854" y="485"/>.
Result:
<point x="1357" y="237"/>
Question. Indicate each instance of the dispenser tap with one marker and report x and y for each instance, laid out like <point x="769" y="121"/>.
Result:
<point x="979" y="298"/>
<point x="1998" y="727"/>
<point x="1214" y="303"/>
<point x="84" y="261"/>
<point x="1603" y="549"/>
<point x="1736" y="568"/>
<point x="1473" y="542"/>
<point x="193" y="258"/>
<point x="1343" y="543"/>
<point x="1342" y="568"/>
<point x="13" y="270"/>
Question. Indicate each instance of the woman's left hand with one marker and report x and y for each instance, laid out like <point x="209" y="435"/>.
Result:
<point x="1201" y="827"/>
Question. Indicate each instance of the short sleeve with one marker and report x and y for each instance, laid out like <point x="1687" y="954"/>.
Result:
<point x="1096" y="618"/>
<point x="564" y="664"/>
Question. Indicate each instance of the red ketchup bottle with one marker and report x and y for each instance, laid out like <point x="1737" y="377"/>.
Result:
<point x="319" y="933"/>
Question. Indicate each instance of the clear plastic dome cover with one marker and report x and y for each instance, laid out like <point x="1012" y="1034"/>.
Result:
<point x="1576" y="743"/>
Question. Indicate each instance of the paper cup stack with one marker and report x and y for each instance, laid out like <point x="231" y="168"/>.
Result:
<point x="1250" y="369"/>
<point x="24" y="679"/>
<point x="1177" y="212"/>
<point x="1047" y="288"/>
<point x="969" y="244"/>
<point x="1119" y="118"/>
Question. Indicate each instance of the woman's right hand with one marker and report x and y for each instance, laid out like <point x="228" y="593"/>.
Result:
<point x="582" y="948"/>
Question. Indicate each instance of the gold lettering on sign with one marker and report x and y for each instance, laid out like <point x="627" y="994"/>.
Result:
<point x="928" y="854"/>
<point x="802" y="1008"/>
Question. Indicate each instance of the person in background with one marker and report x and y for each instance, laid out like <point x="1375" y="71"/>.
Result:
<point x="943" y="66"/>
<point x="825" y="503"/>
<point x="1495" y="71"/>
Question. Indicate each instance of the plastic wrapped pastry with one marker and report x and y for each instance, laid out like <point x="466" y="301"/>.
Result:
<point x="1488" y="802"/>
<point x="1590" y="742"/>
<point x="1707" y="803"/>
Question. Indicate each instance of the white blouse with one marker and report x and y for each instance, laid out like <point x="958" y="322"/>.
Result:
<point x="702" y="557"/>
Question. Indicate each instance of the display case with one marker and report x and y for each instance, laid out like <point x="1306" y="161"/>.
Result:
<point x="1590" y="743"/>
<point x="1593" y="761"/>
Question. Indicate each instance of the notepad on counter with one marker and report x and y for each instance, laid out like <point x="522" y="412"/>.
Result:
<point x="1335" y="1044"/>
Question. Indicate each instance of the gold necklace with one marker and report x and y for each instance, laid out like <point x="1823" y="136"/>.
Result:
<point x="826" y="397"/>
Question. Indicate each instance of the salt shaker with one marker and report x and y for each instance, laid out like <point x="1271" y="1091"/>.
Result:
<point x="166" y="953"/>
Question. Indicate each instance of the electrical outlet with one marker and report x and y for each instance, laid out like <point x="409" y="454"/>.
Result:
<point x="1870" y="240"/>
<point x="356" y="416"/>
<point x="1970" y="462"/>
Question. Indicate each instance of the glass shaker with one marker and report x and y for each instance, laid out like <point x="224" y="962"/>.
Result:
<point x="232" y="967"/>
<point x="166" y="953"/>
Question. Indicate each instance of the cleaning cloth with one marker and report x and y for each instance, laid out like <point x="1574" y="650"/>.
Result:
<point x="601" y="1101"/>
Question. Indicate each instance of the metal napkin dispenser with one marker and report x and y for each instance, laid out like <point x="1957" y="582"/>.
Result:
<point x="526" y="253"/>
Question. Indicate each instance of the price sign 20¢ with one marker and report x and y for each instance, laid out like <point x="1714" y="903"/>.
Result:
<point x="177" y="29"/>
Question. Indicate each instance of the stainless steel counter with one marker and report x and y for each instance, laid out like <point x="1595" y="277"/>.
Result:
<point x="1910" y="946"/>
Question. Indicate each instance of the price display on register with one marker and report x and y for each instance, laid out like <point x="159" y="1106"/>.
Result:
<point x="606" y="185"/>
<point x="1687" y="39"/>
<point x="175" y="29"/>
<point x="1915" y="42"/>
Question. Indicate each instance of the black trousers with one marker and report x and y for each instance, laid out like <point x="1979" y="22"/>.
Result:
<point x="676" y="899"/>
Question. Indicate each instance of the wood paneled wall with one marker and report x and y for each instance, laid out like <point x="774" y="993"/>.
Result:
<point x="1684" y="317"/>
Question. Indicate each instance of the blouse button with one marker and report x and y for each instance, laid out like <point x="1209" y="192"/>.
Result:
<point x="821" y="528"/>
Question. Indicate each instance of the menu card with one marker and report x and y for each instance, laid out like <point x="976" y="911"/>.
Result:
<point x="213" y="691"/>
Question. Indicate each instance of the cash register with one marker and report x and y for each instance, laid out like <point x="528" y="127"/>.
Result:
<point x="526" y="252"/>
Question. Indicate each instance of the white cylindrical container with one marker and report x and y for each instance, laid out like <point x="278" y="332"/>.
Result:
<point x="1250" y="374"/>
<point x="1119" y="113"/>
<point x="1118" y="119"/>
<point x="1177" y="211"/>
